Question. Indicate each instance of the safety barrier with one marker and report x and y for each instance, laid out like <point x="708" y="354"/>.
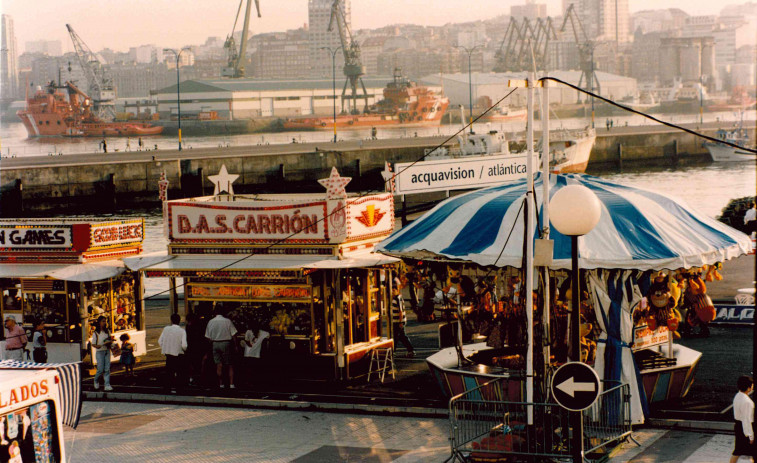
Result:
<point x="484" y="428"/>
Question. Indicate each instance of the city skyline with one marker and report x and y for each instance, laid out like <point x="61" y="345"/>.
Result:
<point x="121" y="25"/>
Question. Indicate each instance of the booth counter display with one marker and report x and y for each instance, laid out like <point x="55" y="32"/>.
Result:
<point x="299" y="265"/>
<point x="66" y="273"/>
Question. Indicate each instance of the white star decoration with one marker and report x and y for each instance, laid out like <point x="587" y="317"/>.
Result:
<point x="388" y="178"/>
<point x="335" y="185"/>
<point x="222" y="181"/>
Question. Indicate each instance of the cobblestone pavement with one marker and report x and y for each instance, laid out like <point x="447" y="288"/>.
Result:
<point x="134" y="432"/>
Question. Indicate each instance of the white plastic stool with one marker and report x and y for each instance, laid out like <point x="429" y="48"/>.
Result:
<point x="382" y="359"/>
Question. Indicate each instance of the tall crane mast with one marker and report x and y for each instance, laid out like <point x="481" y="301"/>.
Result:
<point x="99" y="81"/>
<point x="585" y="49"/>
<point x="235" y="58"/>
<point x="525" y="45"/>
<point x="353" y="64"/>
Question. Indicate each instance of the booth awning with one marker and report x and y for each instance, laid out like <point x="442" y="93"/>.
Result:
<point x="143" y="261"/>
<point x="185" y="264"/>
<point x="68" y="272"/>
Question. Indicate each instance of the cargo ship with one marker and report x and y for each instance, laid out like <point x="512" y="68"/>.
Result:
<point x="51" y="112"/>
<point x="405" y="104"/>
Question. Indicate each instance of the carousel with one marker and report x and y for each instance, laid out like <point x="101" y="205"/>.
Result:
<point x="644" y="267"/>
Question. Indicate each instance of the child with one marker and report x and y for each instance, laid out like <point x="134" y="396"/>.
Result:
<point x="39" y="341"/>
<point x="127" y="355"/>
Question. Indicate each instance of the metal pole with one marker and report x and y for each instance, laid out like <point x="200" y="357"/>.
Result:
<point x="577" y="439"/>
<point x="701" y="102"/>
<point x="530" y="225"/>
<point x="333" y="86"/>
<point x="178" y="95"/>
<point x="592" y="88"/>
<point x="545" y="210"/>
<point x="470" y="91"/>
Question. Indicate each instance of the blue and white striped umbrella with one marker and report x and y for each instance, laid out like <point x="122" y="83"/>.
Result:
<point x="638" y="229"/>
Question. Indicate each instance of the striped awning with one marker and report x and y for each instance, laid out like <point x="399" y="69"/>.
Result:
<point x="638" y="229"/>
<point x="70" y="385"/>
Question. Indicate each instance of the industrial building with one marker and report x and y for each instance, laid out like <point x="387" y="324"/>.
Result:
<point x="494" y="86"/>
<point x="251" y="98"/>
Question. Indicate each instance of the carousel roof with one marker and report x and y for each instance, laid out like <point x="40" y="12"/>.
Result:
<point x="638" y="229"/>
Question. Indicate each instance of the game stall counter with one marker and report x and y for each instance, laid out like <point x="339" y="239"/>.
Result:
<point x="67" y="273"/>
<point x="300" y="265"/>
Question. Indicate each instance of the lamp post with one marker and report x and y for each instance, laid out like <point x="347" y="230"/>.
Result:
<point x="575" y="211"/>
<point x="470" y="83"/>
<point x="333" y="52"/>
<point x="178" y="88"/>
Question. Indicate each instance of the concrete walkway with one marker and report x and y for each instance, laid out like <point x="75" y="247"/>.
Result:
<point x="115" y="432"/>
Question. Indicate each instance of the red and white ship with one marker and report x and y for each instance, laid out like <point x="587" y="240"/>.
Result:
<point x="405" y="104"/>
<point x="50" y="112"/>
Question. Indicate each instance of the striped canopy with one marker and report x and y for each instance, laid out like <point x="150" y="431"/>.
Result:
<point x="638" y="229"/>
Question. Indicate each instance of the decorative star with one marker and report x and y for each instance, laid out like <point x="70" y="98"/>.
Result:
<point x="222" y="181"/>
<point x="388" y="178"/>
<point x="335" y="185"/>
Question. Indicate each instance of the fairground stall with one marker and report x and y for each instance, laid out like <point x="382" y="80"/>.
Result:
<point x="299" y="265"/>
<point x="644" y="267"/>
<point x="67" y="273"/>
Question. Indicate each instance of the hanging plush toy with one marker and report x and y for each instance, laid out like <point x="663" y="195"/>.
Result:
<point x="702" y="311"/>
<point x="712" y="272"/>
<point x="662" y="311"/>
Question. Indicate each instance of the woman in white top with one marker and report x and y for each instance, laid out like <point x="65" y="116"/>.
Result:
<point x="101" y="341"/>
<point x="253" y="346"/>
<point x="743" y="415"/>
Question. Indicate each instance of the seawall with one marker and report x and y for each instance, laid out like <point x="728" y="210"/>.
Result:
<point x="92" y="183"/>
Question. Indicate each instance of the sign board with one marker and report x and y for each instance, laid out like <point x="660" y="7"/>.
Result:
<point x="120" y="232"/>
<point x="459" y="173"/>
<point x="575" y="386"/>
<point x="727" y="313"/>
<point x="370" y="216"/>
<point x="249" y="292"/>
<point x="231" y="222"/>
<point x="643" y="337"/>
<point x="20" y="237"/>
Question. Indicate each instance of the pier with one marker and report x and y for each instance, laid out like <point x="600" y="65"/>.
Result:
<point x="90" y="182"/>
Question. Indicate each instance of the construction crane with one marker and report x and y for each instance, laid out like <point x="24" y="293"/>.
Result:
<point x="235" y="58"/>
<point x="99" y="81"/>
<point x="585" y="49"/>
<point x="353" y="65"/>
<point x="525" y="45"/>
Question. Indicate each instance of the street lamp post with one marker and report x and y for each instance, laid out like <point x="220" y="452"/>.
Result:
<point x="575" y="211"/>
<point x="333" y="52"/>
<point x="178" y="87"/>
<point x="470" y="83"/>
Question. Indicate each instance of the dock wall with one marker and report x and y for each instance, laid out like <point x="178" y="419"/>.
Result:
<point x="102" y="183"/>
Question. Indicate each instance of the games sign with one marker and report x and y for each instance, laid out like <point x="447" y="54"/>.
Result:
<point x="116" y="233"/>
<point x="20" y="237"/>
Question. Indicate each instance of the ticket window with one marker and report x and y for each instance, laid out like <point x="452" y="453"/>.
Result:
<point x="46" y="301"/>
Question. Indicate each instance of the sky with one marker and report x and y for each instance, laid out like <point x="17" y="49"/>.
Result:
<point x="120" y="24"/>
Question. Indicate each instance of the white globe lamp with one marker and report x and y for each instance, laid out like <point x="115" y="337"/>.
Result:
<point x="574" y="210"/>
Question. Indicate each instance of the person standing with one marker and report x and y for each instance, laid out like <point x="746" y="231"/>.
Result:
<point x="139" y="144"/>
<point x="128" y="144"/>
<point x="15" y="340"/>
<point x="743" y="415"/>
<point x="750" y="218"/>
<point x="39" y="342"/>
<point x="220" y="332"/>
<point x="105" y="146"/>
<point x="399" y="319"/>
<point x="173" y="344"/>
<point x="253" y="340"/>
<point x="101" y="340"/>
<point x="197" y="346"/>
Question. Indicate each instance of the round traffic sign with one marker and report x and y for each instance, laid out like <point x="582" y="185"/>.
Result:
<point x="575" y="386"/>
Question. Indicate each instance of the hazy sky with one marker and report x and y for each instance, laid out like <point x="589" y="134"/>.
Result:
<point x="120" y="24"/>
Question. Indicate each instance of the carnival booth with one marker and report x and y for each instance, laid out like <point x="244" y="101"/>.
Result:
<point x="68" y="272"/>
<point x="629" y="313"/>
<point x="299" y="265"/>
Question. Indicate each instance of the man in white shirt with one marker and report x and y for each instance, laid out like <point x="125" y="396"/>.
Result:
<point x="173" y="344"/>
<point x="220" y="332"/>
<point x="743" y="415"/>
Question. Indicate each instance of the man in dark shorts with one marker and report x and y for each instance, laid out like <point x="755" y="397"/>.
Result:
<point x="220" y="332"/>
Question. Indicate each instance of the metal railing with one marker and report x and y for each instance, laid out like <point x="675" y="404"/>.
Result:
<point x="483" y="426"/>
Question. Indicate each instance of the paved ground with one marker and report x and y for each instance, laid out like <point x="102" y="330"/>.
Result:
<point x="134" y="432"/>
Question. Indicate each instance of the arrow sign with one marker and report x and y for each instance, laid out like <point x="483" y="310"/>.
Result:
<point x="570" y="387"/>
<point x="575" y="386"/>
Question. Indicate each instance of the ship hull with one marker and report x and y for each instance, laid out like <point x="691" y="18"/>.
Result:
<point x="573" y="158"/>
<point x="513" y="116"/>
<point x="355" y="122"/>
<point x="54" y="125"/>
<point x="723" y="153"/>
